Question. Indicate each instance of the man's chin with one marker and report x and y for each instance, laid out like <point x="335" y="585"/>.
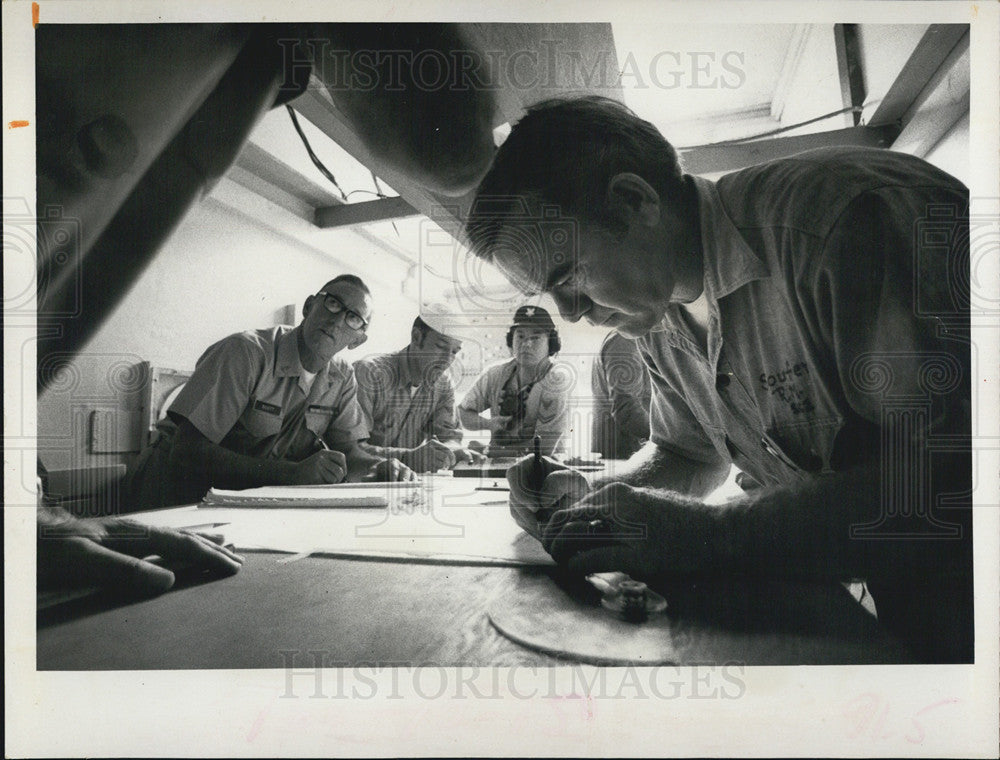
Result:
<point x="635" y="327"/>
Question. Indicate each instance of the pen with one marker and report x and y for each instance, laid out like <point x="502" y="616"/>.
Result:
<point x="537" y="475"/>
<point x="320" y="442"/>
<point x="203" y="526"/>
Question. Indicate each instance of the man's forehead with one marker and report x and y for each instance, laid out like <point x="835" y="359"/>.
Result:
<point x="441" y="339"/>
<point x="528" y="254"/>
<point x="353" y="296"/>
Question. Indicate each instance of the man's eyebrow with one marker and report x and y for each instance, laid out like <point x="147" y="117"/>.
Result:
<point x="557" y="274"/>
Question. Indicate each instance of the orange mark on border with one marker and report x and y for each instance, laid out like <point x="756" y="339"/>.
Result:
<point x="16" y="124"/>
<point x="34" y="15"/>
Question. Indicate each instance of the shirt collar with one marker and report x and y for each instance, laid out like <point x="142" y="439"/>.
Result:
<point x="289" y="364"/>
<point x="403" y="368"/>
<point x="728" y="261"/>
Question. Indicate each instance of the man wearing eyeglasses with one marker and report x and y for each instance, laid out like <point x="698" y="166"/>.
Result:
<point x="275" y="406"/>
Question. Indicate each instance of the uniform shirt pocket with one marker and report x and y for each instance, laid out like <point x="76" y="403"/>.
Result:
<point x="318" y="417"/>
<point x="263" y="419"/>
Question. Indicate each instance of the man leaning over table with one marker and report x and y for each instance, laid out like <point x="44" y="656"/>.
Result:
<point x="806" y="319"/>
<point x="274" y="406"/>
<point x="408" y="398"/>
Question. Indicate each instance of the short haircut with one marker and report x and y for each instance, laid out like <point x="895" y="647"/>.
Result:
<point x="423" y="327"/>
<point x="563" y="153"/>
<point x="351" y="279"/>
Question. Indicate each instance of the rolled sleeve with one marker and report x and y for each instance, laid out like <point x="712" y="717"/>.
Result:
<point x="479" y="396"/>
<point x="348" y="425"/>
<point x="365" y="393"/>
<point x="221" y="387"/>
<point x="894" y="315"/>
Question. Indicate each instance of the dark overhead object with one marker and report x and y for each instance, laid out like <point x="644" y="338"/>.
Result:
<point x="729" y="157"/>
<point x="419" y="95"/>
<point x="79" y="281"/>
<point x="931" y="52"/>
<point x="852" y="78"/>
<point x="346" y="214"/>
<point x="135" y="122"/>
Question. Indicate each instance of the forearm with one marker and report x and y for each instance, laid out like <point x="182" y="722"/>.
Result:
<point x="473" y="420"/>
<point x="217" y="466"/>
<point x="383" y="452"/>
<point x="655" y="467"/>
<point x="806" y="532"/>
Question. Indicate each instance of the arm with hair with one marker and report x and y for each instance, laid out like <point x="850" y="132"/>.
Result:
<point x="909" y="538"/>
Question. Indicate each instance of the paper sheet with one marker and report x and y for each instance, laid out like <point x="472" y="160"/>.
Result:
<point x="449" y="522"/>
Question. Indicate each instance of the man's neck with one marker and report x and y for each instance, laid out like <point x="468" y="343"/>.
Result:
<point x="411" y="367"/>
<point x="529" y="373"/>
<point x="689" y="261"/>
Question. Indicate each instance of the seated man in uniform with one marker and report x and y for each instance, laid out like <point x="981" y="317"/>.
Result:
<point x="620" y="385"/>
<point x="524" y="396"/>
<point x="408" y="399"/>
<point x="269" y="407"/>
<point x="799" y="318"/>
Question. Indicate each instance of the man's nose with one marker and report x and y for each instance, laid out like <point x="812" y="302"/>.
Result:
<point x="571" y="306"/>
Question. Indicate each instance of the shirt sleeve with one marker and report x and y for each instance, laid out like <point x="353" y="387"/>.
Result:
<point x="349" y="423"/>
<point x="478" y="398"/>
<point x="890" y="298"/>
<point x="221" y="386"/>
<point x="672" y="425"/>
<point x="365" y="393"/>
<point x="445" y="419"/>
<point x="628" y="386"/>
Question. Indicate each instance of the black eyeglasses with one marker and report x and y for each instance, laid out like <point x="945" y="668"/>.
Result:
<point x="335" y="306"/>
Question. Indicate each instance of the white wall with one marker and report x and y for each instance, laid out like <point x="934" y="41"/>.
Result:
<point x="219" y="273"/>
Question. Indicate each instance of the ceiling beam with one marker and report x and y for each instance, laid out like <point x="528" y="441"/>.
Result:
<point x="927" y="58"/>
<point x="727" y="157"/>
<point x="347" y="214"/>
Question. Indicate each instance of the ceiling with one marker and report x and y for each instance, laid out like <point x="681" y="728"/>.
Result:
<point x="698" y="84"/>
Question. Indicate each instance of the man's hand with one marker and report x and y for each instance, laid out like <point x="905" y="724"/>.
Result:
<point x="325" y="466"/>
<point x="429" y="457"/>
<point x="643" y="532"/>
<point x="391" y="470"/>
<point x="531" y="503"/>
<point x="469" y="456"/>
<point x="497" y="424"/>
<point x="110" y="552"/>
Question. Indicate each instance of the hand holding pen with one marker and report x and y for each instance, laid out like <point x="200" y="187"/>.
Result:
<point x="539" y="486"/>
<point x="324" y="466"/>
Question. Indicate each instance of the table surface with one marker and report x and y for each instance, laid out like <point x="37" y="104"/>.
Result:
<point x="358" y="610"/>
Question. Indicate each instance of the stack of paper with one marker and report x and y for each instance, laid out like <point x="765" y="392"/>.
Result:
<point x="353" y="496"/>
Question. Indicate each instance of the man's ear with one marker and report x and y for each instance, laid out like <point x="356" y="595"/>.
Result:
<point x="307" y="306"/>
<point x="362" y="337"/>
<point x="631" y="200"/>
<point x="417" y="337"/>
